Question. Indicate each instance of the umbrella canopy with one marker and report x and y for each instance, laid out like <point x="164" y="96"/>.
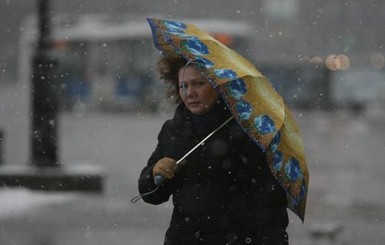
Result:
<point x="252" y="100"/>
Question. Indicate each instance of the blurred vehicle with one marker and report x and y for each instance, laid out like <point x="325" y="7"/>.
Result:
<point x="111" y="65"/>
<point x="302" y="85"/>
<point x="358" y="88"/>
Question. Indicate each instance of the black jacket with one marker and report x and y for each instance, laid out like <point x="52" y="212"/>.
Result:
<point x="225" y="193"/>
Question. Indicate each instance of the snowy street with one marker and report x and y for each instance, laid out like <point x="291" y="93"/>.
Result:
<point x="344" y="151"/>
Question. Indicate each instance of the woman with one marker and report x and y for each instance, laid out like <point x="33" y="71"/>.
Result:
<point x="225" y="192"/>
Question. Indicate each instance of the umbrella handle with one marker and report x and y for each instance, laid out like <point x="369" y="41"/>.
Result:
<point x="158" y="179"/>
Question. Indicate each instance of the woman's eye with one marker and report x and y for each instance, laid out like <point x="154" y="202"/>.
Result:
<point x="199" y="83"/>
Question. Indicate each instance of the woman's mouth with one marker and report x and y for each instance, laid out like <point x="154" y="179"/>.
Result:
<point x="194" y="103"/>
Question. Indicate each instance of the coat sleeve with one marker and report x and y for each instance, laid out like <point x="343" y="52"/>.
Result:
<point x="146" y="179"/>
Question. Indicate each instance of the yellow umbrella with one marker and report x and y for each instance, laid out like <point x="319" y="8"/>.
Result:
<point x="252" y="100"/>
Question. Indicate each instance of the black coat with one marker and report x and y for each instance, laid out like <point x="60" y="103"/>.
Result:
<point x="225" y="193"/>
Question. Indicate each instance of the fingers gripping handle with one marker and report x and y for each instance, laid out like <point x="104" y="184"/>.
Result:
<point x="159" y="179"/>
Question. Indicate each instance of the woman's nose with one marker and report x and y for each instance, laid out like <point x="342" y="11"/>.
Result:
<point x="190" y="91"/>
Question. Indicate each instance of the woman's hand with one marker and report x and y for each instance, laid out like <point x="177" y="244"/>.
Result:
<point x="165" y="167"/>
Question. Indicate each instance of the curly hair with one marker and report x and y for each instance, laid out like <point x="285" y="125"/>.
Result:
<point x="168" y="68"/>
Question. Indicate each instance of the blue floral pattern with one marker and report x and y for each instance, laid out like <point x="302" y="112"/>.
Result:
<point x="175" y="31"/>
<point x="174" y="25"/>
<point x="237" y="88"/>
<point x="264" y="124"/>
<point x="299" y="197"/>
<point x="206" y="63"/>
<point x="293" y="170"/>
<point x="302" y="192"/>
<point x="225" y="73"/>
<point x="187" y="37"/>
<point x="244" y="109"/>
<point x="278" y="161"/>
<point x="275" y="142"/>
<point x="195" y="47"/>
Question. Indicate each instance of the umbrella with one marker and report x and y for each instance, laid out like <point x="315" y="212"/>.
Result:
<point x="252" y="100"/>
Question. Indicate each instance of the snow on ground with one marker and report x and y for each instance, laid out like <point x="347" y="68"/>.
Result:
<point x="19" y="201"/>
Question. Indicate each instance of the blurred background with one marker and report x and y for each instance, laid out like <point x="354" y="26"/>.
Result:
<point x="100" y="46"/>
<point x="326" y="58"/>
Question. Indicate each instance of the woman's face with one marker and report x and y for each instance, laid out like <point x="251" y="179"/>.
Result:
<point x="196" y="92"/>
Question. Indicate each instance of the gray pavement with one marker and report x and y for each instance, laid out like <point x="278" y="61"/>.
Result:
<point x="345" y="153"/>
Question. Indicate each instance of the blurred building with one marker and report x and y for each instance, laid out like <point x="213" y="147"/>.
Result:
<point x="286" y="34"/>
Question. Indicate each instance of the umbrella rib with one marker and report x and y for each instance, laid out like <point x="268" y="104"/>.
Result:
<point x="208" y="136"/>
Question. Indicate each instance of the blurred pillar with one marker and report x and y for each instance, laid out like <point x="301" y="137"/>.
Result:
<point x="1" y="146"/>
<point x="44" y="172"/>
<point x="44" y="142"/>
